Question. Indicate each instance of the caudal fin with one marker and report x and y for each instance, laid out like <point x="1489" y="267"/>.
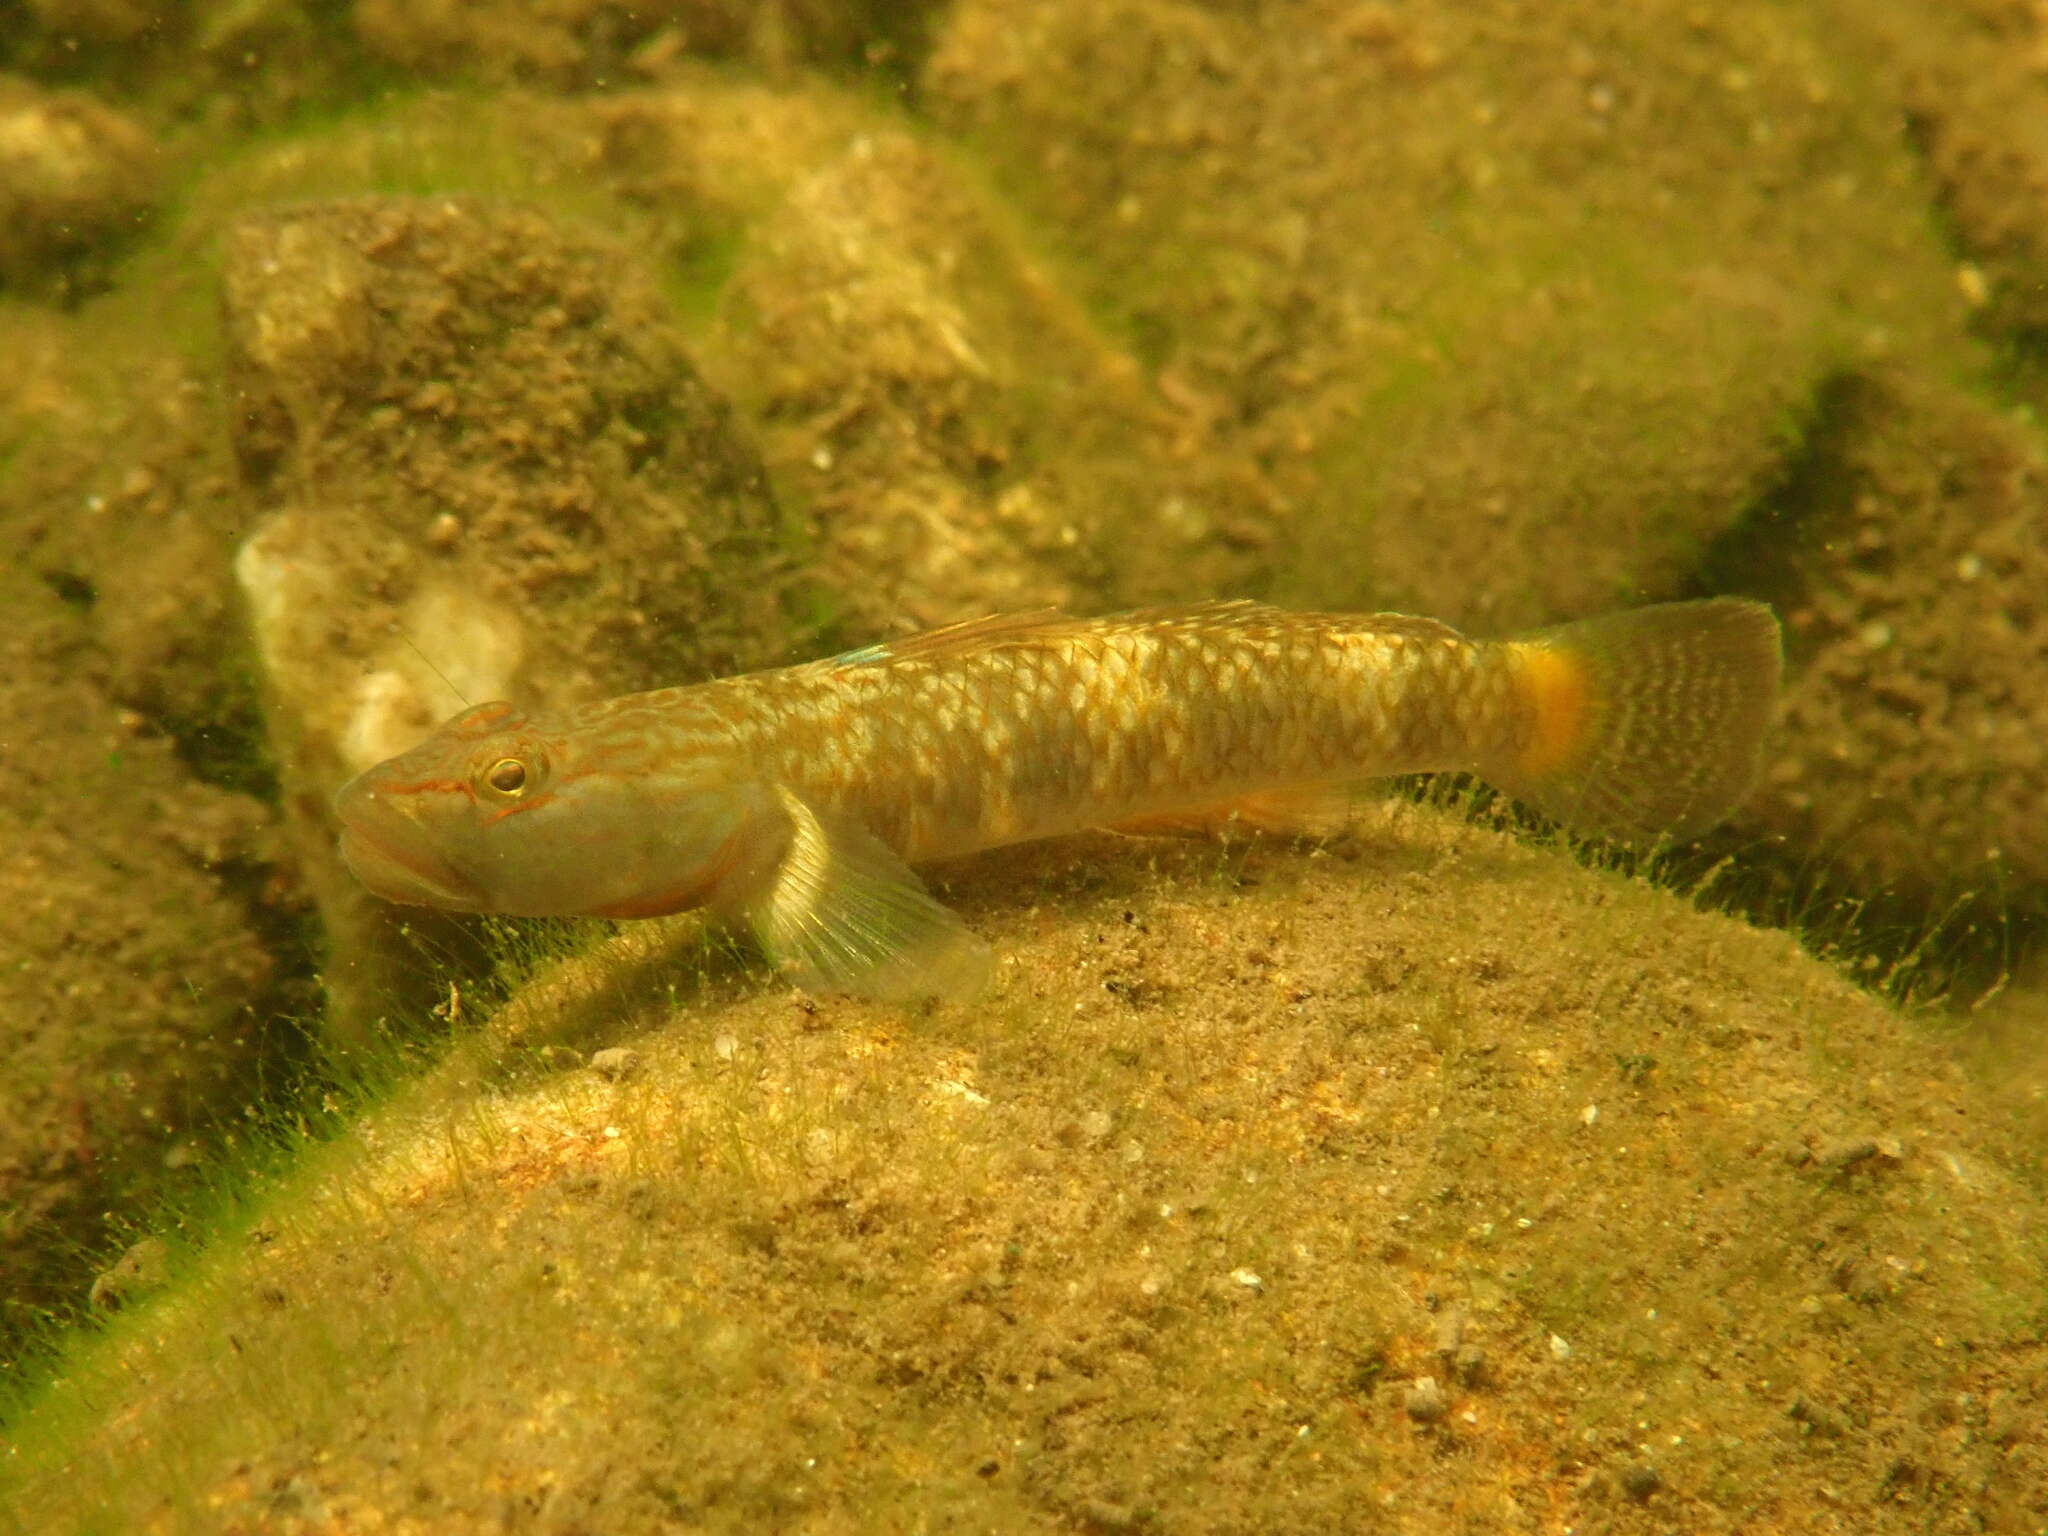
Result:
<point x="1644" y="722"/>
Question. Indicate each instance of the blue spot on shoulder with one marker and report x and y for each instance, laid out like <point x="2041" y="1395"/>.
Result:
<point x="867" y="655"/>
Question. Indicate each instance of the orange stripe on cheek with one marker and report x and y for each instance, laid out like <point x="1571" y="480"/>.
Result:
<point x="515" y="808"/>
<point x="1555" y="688"/>
<point x="425" y="787"/>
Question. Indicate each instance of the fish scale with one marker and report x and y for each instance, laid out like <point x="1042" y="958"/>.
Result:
<point x="795" y="800"/>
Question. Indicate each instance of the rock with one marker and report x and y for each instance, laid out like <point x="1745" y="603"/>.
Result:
<point x="1639" y="1480"/>
<point x="1914" y="765"/>
<point x="142" y="1269"/>
<point x="1425" y="1402"/>
<point x="616" y="1063"/>
<point x="74" y="175"/>
<point x="1427" y="304"/>
<point x="883" y="316"/>
<point x="584" y="43"/>
<point x="817" y="1239"/>
<point x="130" y="961"/>
<point x="423" y="362"/>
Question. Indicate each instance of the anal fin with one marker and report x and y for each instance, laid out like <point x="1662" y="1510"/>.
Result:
<point x="1316" y="810"/>
<point x="844" y="914"/>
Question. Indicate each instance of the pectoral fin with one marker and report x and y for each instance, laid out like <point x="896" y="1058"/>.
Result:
<point x="844" y="914"/>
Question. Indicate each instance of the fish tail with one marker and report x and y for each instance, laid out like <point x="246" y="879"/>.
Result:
<point x="1642" y="723"/>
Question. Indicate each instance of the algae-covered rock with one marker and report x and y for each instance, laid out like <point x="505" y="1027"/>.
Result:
<point x="1514" y="339"/>
<point x="964" y="438"/>
<point x="75" y="175"/>
<point x="1977" y="88"/>
<point x="907" y="392"/>
<point x="1165" y="1233"/>
<point x="580" y="43"/>
<point x="136" y="991"/>
<point x="97" y="21"/>
<point x="492" y="470"/>
<point x="1908" y="563"/>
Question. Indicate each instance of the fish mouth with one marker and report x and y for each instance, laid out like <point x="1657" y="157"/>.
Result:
<point x="386" y="850"/>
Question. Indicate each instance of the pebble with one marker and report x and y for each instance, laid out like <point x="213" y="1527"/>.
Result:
<point x="444" y="532"/>
<point x="1846" y="1152"/>
<point x="1426" y="1402"/>
<point x="1470" y="1365"/>
<point x="73" y="172"/>
<point x="1854" y="1151"/>
<point x="1450" y="1332"/>
<point x="616" y="1064"/>
<point x="1639" y="1480"/>
<point x="143" y="1268"/>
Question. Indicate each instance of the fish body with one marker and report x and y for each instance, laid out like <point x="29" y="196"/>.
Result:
<point x="797" y="799"/>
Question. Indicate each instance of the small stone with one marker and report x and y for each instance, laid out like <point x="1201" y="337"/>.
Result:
<point x="73" y="172"/>
<point x="299" y="1499"/>
<point x="1845" y="1151"/>
<point x="1470" y="1365"/>
<point x="725" y="1047"/>
<point x="1450" y="1332"/>
<point x="1639" y="1480"/>
<point x="1248" y="1279"/>
<point x="144" y="1267"/>
<point x="616" y="1064"/>
<point x="1425" y="1402"/>
<point x="1559" y="1349"/>
<point x="1096" y="1125"/>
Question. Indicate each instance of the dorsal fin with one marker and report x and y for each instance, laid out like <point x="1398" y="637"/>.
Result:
<point x="1049" y="623"/>
<point x="953" y="639"/>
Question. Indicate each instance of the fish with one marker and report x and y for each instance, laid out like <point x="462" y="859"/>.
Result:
<point x="795" y="801"/>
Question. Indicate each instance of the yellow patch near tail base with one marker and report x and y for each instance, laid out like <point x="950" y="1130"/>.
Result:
<point x="1559" y="695"/>
<point x="1645" y="723"/>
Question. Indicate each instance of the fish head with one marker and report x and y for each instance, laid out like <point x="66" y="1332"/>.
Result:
<point x="496" y="812"/>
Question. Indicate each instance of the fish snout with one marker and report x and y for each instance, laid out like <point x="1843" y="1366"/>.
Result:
<point x="389" y="848"/>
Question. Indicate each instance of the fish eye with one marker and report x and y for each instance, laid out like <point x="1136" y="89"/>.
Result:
<point x="507" y="776"/>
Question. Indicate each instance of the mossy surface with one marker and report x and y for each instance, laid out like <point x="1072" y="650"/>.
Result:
<point x="1163" y="1233"/>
